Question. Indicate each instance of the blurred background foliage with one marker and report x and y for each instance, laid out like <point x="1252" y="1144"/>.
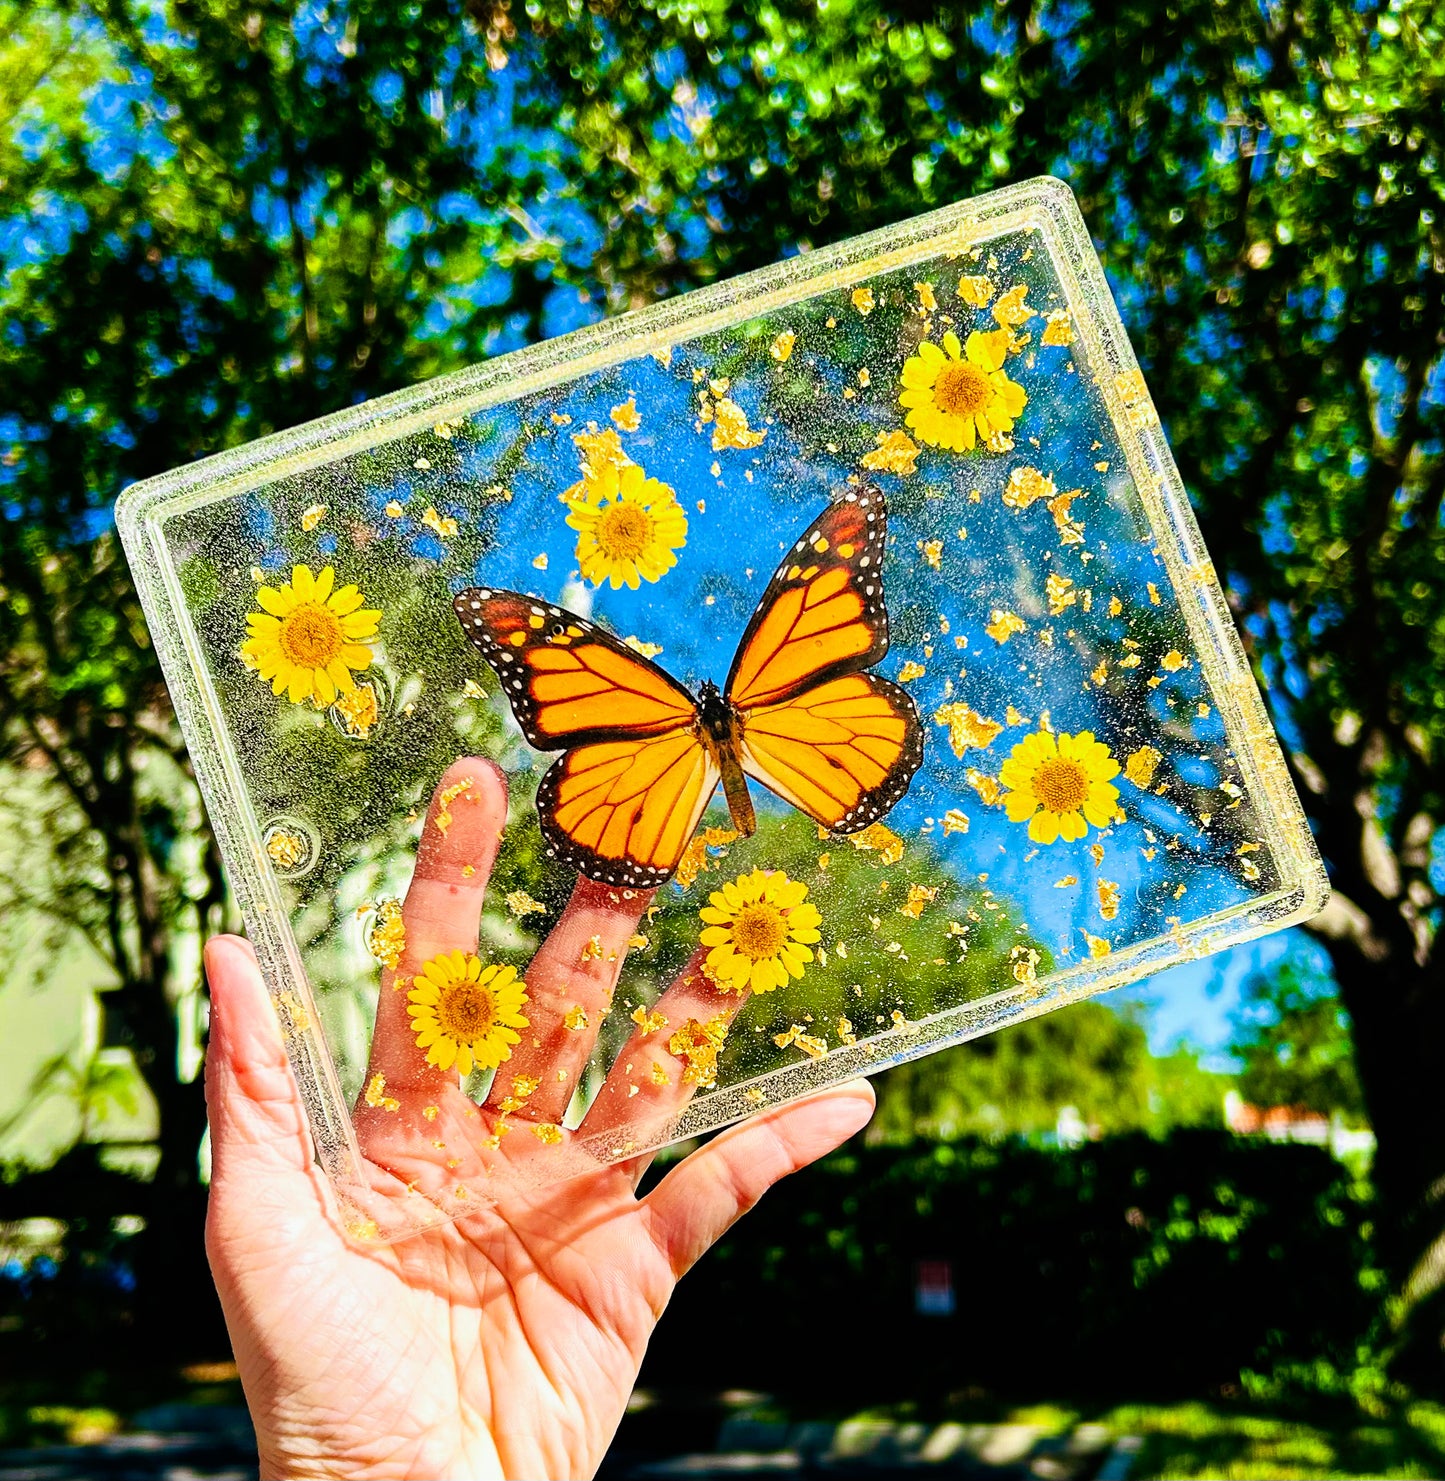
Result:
<point x="222" y="217"/>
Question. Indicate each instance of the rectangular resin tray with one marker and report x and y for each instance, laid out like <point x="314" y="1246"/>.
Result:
<point x="838" y="639"/>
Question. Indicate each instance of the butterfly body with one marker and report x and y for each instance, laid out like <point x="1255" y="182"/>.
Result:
<point x="643" y="758"/>
<point x="721" y="730"/>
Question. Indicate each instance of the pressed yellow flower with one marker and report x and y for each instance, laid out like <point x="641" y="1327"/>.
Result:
<point x="308" y="638"/>
<point x="628" y="526"/>
<point x="1059" y="784"/>
<point x="465" y="1014"/>
<point x="959" y="395"/>
<point x="761" y="930"/>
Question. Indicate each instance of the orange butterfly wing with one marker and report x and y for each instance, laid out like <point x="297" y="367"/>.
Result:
<point x="822" y="614"/>
<point x="843" y="752"/>
<point x="623" y="803"/>
<point x="840" y="744"/>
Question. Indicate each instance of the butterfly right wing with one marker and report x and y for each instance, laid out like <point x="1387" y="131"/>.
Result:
<point x="622" y="804"/>
<point x="568" y="681"/>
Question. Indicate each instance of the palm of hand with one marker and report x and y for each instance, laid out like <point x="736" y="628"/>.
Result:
<point x="505" y="1343"/>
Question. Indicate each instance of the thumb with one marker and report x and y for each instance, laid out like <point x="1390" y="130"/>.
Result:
<point x="261" y="1156"/>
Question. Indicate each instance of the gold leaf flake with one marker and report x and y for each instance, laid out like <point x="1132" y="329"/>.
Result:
<point x="845" y="1031"/>
<point x="876" y="836"/>
<point x="1202" y="710"/>
<point x="547" y="1133"/>
<point x="648" y="1022"/>
<point x="599" y="450"/>
<point x="813" y="1047"/>
<point x="730" y="426"/>
<point x="966" y="727"/>
<point x="647" y="650"/>
<point x="1060" y="593"/>
<point x="1153" y="591"/>
<point x="1108" y="899"/>
<point x="1135" y="396"/>
<point x="1066" y="881"/>
<point x="1011" y="308"/>
<point x="754" y="1095"/>
<point x="1003" y="625"/>
<point x="918" y="896"/>
<point x="521" y="904"/>
<point x="911" y="671"/>
<point x="1115" y="606"/>
<point x="699" y="1044"/>
<point x="1025" y="962"/>
<point x="313" y="516"/>
<point x="987" y="787"/>
<point x="559" y="418"/>
<point x="975" y="292"/>
<point x="782" y="347"/>
<point x="955" y="821"/>
<point x="377" y="1097"/>
<point x="932" y="552"/>
<point x="926" y="300"/>
<point x="1101" y="672"/>
<point x="658" y="1075"/>
<point x="1058" y="330"/>
<point x="626" y="415"/>
<point x="593" y="950"/>
<point x="896" y="452"/>
<point x="1071" y="531"/>
<point x="472" y="690"/>
<point x="1026" y="485"/>
<point x="1098" y="946"/>
<point x="386" y="940"/>
<point x="444" y="526"/>
<point x="863" y="301"/>
<point x="1142" y="764"/>
<point x="1250" y="870"/>
<point x="575" y="1018"/>
<point x="287" y="850"/>
<point x="1173" y="661"/>
<point x="1013" y="717"/>
<point x="358" y="710"/>
<point x="444" y="802"/>
<point x="540" y="561"/>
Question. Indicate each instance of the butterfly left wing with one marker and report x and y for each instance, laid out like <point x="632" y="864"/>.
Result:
<point x="822" y="614"/>
<point x="623" y="811"/>
<point x="843" y="751"/>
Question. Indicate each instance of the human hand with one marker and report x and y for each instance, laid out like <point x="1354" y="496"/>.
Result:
<point x="506" y="1343"/>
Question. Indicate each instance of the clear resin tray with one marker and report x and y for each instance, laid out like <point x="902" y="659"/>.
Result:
<point x="837" y="640"/>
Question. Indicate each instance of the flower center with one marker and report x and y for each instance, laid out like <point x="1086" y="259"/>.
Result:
<point x="311" y="635"/>
<point x="623" y="531"/>
<point x="961" y="390"/>
<point x="1061" y="785"/>
<point x="466" y="1012"/>
<point x="760" y="931"/>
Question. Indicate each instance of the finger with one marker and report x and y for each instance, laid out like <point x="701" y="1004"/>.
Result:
<point x="694" y="1205"/>
<point x="569" y="988"/>
<point x="261" y="1152"/>
<point x="441" y="913"/>
<point x="673" y="1052"/>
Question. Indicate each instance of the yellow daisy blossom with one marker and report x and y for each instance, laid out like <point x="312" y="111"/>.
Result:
<point x="760" y="929"/>
<point x="959" y="395"/>
<point x="628" y="526"/>
<point x="308" y="638"/>
<point x="465" y="1014"/>
<point x="1058" y="785"/>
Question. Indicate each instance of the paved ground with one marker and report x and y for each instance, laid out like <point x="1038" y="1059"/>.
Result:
<point x="185" y="1443"/>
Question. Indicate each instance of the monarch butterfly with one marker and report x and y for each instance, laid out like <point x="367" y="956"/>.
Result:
<point x="643" y="757"/>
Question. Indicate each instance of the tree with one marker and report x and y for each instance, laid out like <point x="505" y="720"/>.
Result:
<point x="247" y="213"/>
<point x="1292" y="1038"/>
